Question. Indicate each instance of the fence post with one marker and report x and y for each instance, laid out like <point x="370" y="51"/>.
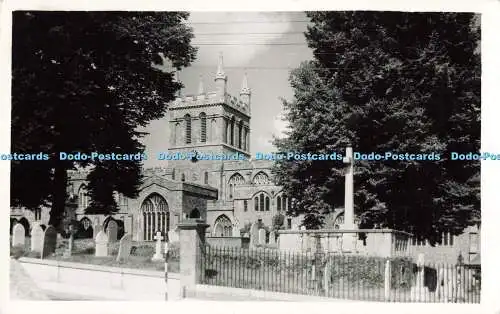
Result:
<point x="387" y="281"/>
<point x="192" y="242"/>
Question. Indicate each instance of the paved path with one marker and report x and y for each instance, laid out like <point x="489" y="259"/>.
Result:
<point x="22" y="287"/>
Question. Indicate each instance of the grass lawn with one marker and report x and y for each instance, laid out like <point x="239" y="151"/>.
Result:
<point x="83" y="252"/>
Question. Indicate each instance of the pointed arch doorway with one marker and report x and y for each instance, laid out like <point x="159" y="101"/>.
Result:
<point x="155" y="215"/>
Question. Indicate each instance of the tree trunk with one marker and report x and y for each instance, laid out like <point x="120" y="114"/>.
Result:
<point x="59" y="195"/>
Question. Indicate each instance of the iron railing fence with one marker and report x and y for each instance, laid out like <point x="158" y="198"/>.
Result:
<point x="353" y="277"/>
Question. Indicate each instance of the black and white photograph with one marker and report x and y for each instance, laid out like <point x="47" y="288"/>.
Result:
<point x="246" y="156"/>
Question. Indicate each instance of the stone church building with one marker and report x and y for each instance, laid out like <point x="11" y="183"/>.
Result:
<point x="229" y="194"/>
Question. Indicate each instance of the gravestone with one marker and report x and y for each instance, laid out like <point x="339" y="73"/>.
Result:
<point x="49" y="241"/>
<point x="101" y="244"/>
<point x="272" y="238"/>
<point x="173" y="236"/>
<point x="125" y="247"/>
<point x="254" y="234"/>
<point x="18" y="235"/>
<point x="37" y="239"/>
<point x="262" y="237"/>
<point x="112" y="231"/>
<point x="97" y="229"/>
<point x="158" y="253"/>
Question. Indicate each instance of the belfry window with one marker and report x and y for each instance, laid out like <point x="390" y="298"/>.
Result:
<point x="187" y="118"/>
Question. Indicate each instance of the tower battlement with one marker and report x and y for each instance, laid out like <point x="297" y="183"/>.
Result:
<point x="210" y="99"/>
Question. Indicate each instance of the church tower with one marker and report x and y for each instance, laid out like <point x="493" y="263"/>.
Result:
<point x="209" y="123"/>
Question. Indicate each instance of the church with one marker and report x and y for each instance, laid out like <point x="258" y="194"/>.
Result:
<point x="229" y="195"/>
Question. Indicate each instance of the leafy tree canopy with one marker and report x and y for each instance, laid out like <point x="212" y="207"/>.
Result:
<point x="388" y="82"/>
<point x="84" y="82"/>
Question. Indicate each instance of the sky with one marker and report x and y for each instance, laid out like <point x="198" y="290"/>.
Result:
<point x="253" y="48"/>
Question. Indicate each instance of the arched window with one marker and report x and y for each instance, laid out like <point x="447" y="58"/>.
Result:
<point x="83" y="199"/>
<point x="195" y="213"/>
<point x="213" y="131"/>
<point x="261" y="178"/>
<point x="203" y="129"/>
<point x="223" y="227"/>
<point x="245" y="205"/>
<point x="262" y="202"/>
<point x="155" y="214"/>
<point x="176" y="134"/>
<point x="240" y="135"/>
<point x="183" y="177"/>
<point x="278" y="202"/>
<point x="173" y="174"/>
<point x="232" y="131"/>
<point x="187" y="118"/>
<point x="236" y="179"/>
<point x="206" y="178"/>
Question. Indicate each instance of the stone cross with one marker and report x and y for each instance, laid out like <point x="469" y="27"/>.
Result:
<point x="158" y="253"/>
<point x="349" y="190"/>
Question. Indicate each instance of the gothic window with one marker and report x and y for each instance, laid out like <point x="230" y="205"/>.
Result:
<point x="83" y="199"/>
<point x="278" y="202"/>
<point x="245" y="205"/>
<point x="240" y="135"/>
<point x="339" y="221"/>
<point x="260" y="178"/>
<point x="187" y="118"/>
<point x="155" y="215"/>
<point x="183" y="177"/>
<point x="236" y="179"/>
<point x="203" y="122"/>
<point x="206" y="177"/>
<point x="223" y="227"/>
<point x="176" y="133"/>
<point x="262" y="202"/>
<point x="232" y="132"/>
<point x="173" y="174"/>
<point x="213" y="132"/>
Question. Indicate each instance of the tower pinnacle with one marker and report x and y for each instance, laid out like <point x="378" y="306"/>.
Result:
<point x="245" y="90"/>
<point x="220" y="68"/>
<point x="201" y="89"/>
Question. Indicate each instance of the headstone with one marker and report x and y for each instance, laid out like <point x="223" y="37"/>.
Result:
<point x="18" y="235"/>
<point x="254" y="234"/>
<point x="101" y="244"/>
<point x="125" y="247"/>
<point x="262" y="237"/>
<point x="272" y="238"/>
<point x="49" y="241"/>
<point x="173" y="236"/>
<point x="112" y="231"/>
<point x="97" y="229"/>
<point x="69" y="251"/>
<point x="37" y="239"/>
<point x="158" y="252"/>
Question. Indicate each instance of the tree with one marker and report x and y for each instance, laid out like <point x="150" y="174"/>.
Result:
<point x="84" y="82"/>
<point x="388" y="82"/>
<point x="278" y="221"/>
